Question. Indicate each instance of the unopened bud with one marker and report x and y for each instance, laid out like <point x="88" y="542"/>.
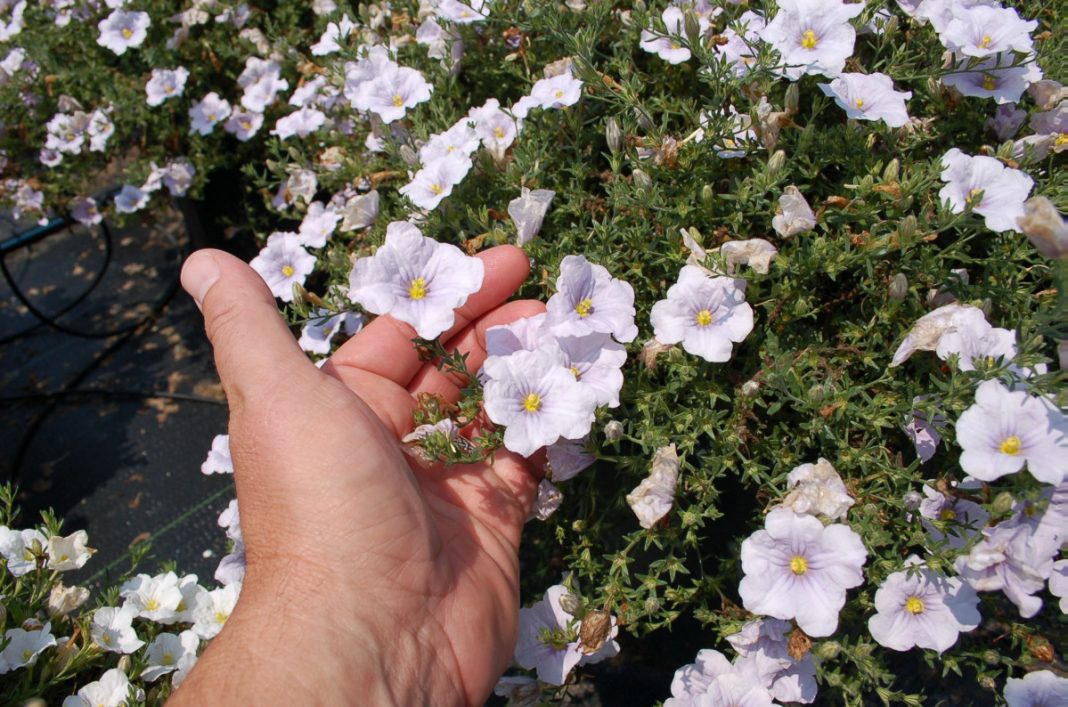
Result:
<point x="1045" y="228"/>
<point x="692" y="27"/>
<point x="828" y="650"/>
<point x="410" y="157"/>
<point x="124" y="664"/>
<point x="907" y="227"/>
<point x="708" y="194"/>
<point x="1041" y="649"/>
<point x="750" y="388"/>
<point x="988" y="683"/>
<point x="776" y="162"/>
<point x="652" y="605"/>
<point x="991" y="657"/>
<point x="645" y="121"/>
<point x="594" y="630"/>
<point x="613" y="431"/>
<point x="639" y="6"/>
<point x="791" y="99"/>
<point x="613" y="135"/>
<point x="892" y="170"/>
<point x="899" y="287"/>
<point x="817" y="393"/>
<point x="32" y="624"/>
<point x="1062" y="354"/>
<point x="35" y="702"/>
<point x="572" y="604"/>
<point x="1003" y="503"/>
<point x="912" y="500"/>
<point x="642" y="180"/>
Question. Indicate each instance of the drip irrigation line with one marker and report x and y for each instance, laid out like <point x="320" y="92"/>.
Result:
<point x="71" y="397"/>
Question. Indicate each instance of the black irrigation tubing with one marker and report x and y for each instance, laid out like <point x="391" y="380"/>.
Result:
<point x="71" y="397"/>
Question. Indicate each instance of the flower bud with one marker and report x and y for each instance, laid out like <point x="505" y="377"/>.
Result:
<point x="124" y="664"/>
<point x="776" y="162"/>
<point x="912" y="500"/>
<point x="791" y="99"/>
<point x="750" y="388"/>
<point x="1003" y="503"/>
<point x="572" y="604"/>
<point x="692" y="27"/>
<point x="613" y="135"/>
<point x="652" y="605"/>
<point x="639" y="6"/>
<point x="988" y="683"/>
<point x="645" y="121"/>
<point x="35" y="702"/>
<point x="32" y="624"/>
<point x="892" y="170"/>
<point x="991" y="657"/>
<point x="708" y="194"/>
<point x="578" y="526"/>
<point x="613" y="431"/>
<point x="828" y="650"/>
<point x="642" y="180"/>
<point x="899" y="287"/>
<point x="1045" y="228"/>
<point x="594" y="630"/>
<point x="410" y="157"/>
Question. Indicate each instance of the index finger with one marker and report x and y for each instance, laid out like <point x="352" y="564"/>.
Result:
<point x="384" y="347"/>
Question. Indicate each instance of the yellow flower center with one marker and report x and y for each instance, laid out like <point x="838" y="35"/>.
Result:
<point x="947" y="514"/>
<point x="181" y="606"/>
<point x="859" y="103"/>
<point x="704" y="317"/>
<point x="169" y="90"/>
<point x="220" y="617"/>
<point x="675" y="45"/>
<point x="168" y="659"/>
<point x="127" y="32"/>
<point x="151" y="605"/>
<point x="436" y="188"/>
<point x="417" y="290"/>
<point x="575" y="372"/>
<point x="914" y="605"/>
<point x="498" y="133"/>
<point x="287" y="270"/>
<point x="985" y="41"/>
<point x="106" y="638"/>
<point x="584" y="307"/>
<point x="212" y="118"/>
<point x="559" y="93"/>
<point x="1062" y="139"/>
<point x="974" y="195"/>
<point x="1011" y="445"/>
<point x="246" y="125"/>
<point x="532" y="403"/>
<point x="808" y="39"/>
<point x="397" y="100"/>
<point x="989" y="82"/>
<point x="798" y="565"/>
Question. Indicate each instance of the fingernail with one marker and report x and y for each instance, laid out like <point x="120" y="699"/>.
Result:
<point x="198" y="275"/>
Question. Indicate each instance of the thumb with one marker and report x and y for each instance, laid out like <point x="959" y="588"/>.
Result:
<point x="255" y="353"/>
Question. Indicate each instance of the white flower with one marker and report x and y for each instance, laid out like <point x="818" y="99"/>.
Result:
<point x="707" y="314"/>
<point x="763" y="647"/>
<point x="319" y="331"/>
<point x="416" y="280"/>
<point x="178" y="176"/>
<point x="983" y="30"/>
<point x="565" y="458"/>
<point x="991" y="189"/>
<point x="556" y="92"/>
<point x="111" y="690"/>
<point x="244" y="124"/>
<point x="817" y="489"/>
<point x="869" y="97"/>
<point x="20" y="549"/>
<point x="392" y="92"/>
<point x="86" y="212"/>
<point x="671" y="48"/>
<point x="154" y="598"/>
<point x="69" y="553"/>
<point x="301" y="123"/>
<point x="165" y="83"/>
<point x="459" y="140"/>
<point x="537" y="399"/>
<point x="739" y="51"/>
<point x="359" y="211"/>
<point x="318" y="225"/>
<point x="655" y="495"/>
<point x="1058" y="583"/>
<point x="112" y="629"/>
<point x="63" y="600"/>
<point x="1045" y="228"/>
<point x="920" y="607"/>
<point x="528" y="211"/>
<point x="957" y="329"/>
<point x="813" y="36"/>
<point x="123" y="30"/>
<point x="213" y="609"/>
<point x="170" y="652"/>
<point x="548" y="500"/>
<point x="1006" y="429"/>
<point x="797" y="568"/>
<point x="100" y="129"/>
<point x="757" y="253"/>
<point x="218" y="461"/>
<point x="209" y="111"/>
<point x="282" y="263"/>
<point x="262" y="80"/>
<point x="463" y="13"/>
<point x="994" y="77"/>
<point x="595" y="360"/>
<point x="435" y="181"/>
<point x="1040" y="688"/>
<point x="1008" y="559"/>
<point x="588" y="299"/>
<point x="130" y="199"/>
<point x="713" y="681"/>
<point x="494" y="127"/>
<point x="332" y="36"/>
<point x="795" y="215"/>
<point x="23" y="647"/>
<point x="1006" y="121"/>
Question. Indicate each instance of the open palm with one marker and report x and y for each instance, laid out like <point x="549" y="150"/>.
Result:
<point x="371" y="570"/>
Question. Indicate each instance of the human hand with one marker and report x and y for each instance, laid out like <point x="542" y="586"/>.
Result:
<point x="370" y="577"/>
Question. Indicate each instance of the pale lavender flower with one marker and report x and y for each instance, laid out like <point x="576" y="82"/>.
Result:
<point x="219" y="460"/>
<point x="869" y="97"/>
<point x="983" y="30"/>
<point x="707" y="314"/>
<point x="757" y="253"/>
<point x="178" y="176"/>
<point x="994" y="77"/>
<point x="111" y="690"/>
<point x="813" y="36"/>
<point x="520" y="691"/>
<point x="435" y="181"/>
<point x="520" y="335"/>
<point x="262" y="81"/>
<point x="565" y="458"/>
<point x="24" y="646"/>
<point x="17" y="548"/>
<point x="1006" y="429"/>
<point x="794" y="214"/>
<point x="209" y="111"/>
<point x="1007" y="560"/>
<point x="130" y="199"/>
<point x="319" y="331"/>
<point x="460" y="139"/>
<point x="739" y="51"/>
<point x="415" y="280"/>
<point x="671" y="46"/>
<point x="528" y="212"/>
<point x="925" y="434"/>
<point x="922" y="608"/>
<point x="961" y="519"/>
<point x="123" y="30"/>
<point x="392" y="92"/>
<point x="244" y="124"/>
<point x="797" y="568"/>
<point x="1058" y="583"/>
<point x="331" y="38"/>
<point x="817" y="489"/>
<point x="301" y="123"/>
<point x="318" y="225"/>
<point x="549" y="639"/>
<point x="588" y="299"/>
<point x="956" y="329"/>
<point x="283" y="263"/>
<point x="713" y="681"/>
<point x="655" y="495"/>
<point x="595" y="360"/>
<point x="537" y="399"/>
<point x="1041" y="688"/>
<point x="164" y="84"/>
<point x="763" y="649"/>
<point x="86" y="212"/>
<point x="556" y="92"/>
<point x="1006" y="121"/>
<point x="548" y="500"/>
<point x="494" y="127"/>
<point x="463" y="13"/>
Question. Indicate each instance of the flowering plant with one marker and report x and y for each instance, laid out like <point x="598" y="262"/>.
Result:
<point x="799" y="381"/>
